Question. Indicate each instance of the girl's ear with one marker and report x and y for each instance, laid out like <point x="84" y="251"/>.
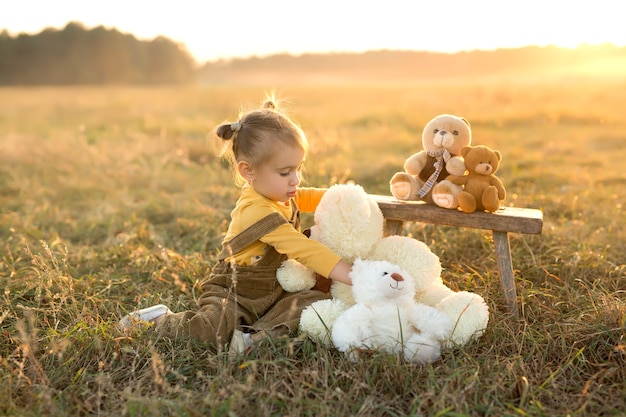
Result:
<point x="245" y="170"/>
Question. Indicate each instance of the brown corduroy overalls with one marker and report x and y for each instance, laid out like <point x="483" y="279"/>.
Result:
<point x="247" y="298"/>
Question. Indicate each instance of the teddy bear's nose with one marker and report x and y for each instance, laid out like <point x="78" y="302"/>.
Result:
<point x="397" y="277"/>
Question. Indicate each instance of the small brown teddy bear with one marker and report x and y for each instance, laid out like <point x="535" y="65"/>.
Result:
<point x="424" y="173"/>
<point x="482" y="190"/>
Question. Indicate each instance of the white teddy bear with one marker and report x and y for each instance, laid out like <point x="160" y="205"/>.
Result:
<point x="387" y="318"/>
<point x="350" y="223"/>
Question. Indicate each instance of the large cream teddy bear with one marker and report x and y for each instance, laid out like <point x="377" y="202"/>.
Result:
<point x="387" y="318"/>
<point x="350" y="223"/>
<point x="424" y="174"/>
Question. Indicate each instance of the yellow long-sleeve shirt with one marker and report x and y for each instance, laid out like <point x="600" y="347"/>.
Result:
<point x="252" y="207"/>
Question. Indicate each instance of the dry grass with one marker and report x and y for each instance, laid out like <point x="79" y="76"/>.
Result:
<point x="112" y="199"/>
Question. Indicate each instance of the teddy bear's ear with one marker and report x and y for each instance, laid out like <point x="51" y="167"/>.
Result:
<point x="498" y="154"/>
<point x="465" y="150"/>
<point x="465" y="120"/>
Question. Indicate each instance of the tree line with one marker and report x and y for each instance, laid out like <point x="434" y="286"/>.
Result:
<point x="76" y="55"/>
<point x="409" y="66"/>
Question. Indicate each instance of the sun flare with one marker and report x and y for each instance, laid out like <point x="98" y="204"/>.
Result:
<point x="253" y="29"/>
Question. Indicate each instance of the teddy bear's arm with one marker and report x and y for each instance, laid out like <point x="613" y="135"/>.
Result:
<point x="416" y="163"/>
<point x="457" y="179"/>
<point x="495" y="181"/>
<point x="456" y="166"/>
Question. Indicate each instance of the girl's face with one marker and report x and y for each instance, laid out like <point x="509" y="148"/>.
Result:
<point x="278" y="178"/>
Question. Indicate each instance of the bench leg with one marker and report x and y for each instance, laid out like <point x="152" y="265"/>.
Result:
<point x="393" y="227"/>
<point x="505" y="265"/>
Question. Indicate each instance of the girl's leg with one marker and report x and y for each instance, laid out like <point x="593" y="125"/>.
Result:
<point x="213" y="323"/>
<point x="284" y="316"/>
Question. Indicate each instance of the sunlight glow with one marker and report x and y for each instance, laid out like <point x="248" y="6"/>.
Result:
<point x="214" y="30"/>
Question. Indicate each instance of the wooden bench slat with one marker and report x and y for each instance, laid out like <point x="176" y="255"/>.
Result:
<point x="507" y="219"/>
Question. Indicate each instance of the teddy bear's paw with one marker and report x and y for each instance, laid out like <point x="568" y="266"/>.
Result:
<point x="490" y="199"/>
<point x="456" y="166"/>
<point x="433" y="323"/>
<point x="420" y="349"/>
<point x="445" y="200"/>
<point x="401" y="190"/>
<point x="470" y="316"/>
<point x="318" y="318"/>
<point x="467" y="202"/>
<point x="294" y="277"/>
<point x="444" y="194"/>
<point x="400" y="186"/>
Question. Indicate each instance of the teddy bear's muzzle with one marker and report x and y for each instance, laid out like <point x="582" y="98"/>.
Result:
<point x="397" y="277"/>
<point x="397" y="280"/>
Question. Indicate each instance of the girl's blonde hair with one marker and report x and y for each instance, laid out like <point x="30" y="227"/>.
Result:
<point x="256" y="136"/>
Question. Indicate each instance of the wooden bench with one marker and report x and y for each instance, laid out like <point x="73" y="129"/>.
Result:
<point x="504" y="221"/>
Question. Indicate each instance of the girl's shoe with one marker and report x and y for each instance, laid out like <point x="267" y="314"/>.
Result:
<point x="240" y="343"/>
<point x="148" y="314"/>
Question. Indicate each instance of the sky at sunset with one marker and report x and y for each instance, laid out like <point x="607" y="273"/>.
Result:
<point x="212" y="29"/>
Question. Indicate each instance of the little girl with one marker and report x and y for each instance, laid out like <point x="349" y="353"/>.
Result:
<point x="242" y="301"/>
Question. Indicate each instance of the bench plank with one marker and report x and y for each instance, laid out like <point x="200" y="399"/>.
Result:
<point x="507" y="219"/>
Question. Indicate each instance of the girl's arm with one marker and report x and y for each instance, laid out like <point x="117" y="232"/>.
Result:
<point x="310" y="253"/>
<point x="341" y="273"/>
<point x="308" y="198"/>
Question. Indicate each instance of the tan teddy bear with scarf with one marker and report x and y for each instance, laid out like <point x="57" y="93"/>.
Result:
<point x="424" y="174"/>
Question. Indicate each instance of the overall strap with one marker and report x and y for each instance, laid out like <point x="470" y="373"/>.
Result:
<point x="253" y="233"/>
<point x="295" y="216"/>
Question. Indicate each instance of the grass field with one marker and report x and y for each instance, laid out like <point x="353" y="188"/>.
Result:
<point x="112" y="199"/>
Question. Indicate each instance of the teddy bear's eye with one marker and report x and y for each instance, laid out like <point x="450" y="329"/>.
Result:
<point x="435" y="131"/>
<point x="455" y="132"/>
